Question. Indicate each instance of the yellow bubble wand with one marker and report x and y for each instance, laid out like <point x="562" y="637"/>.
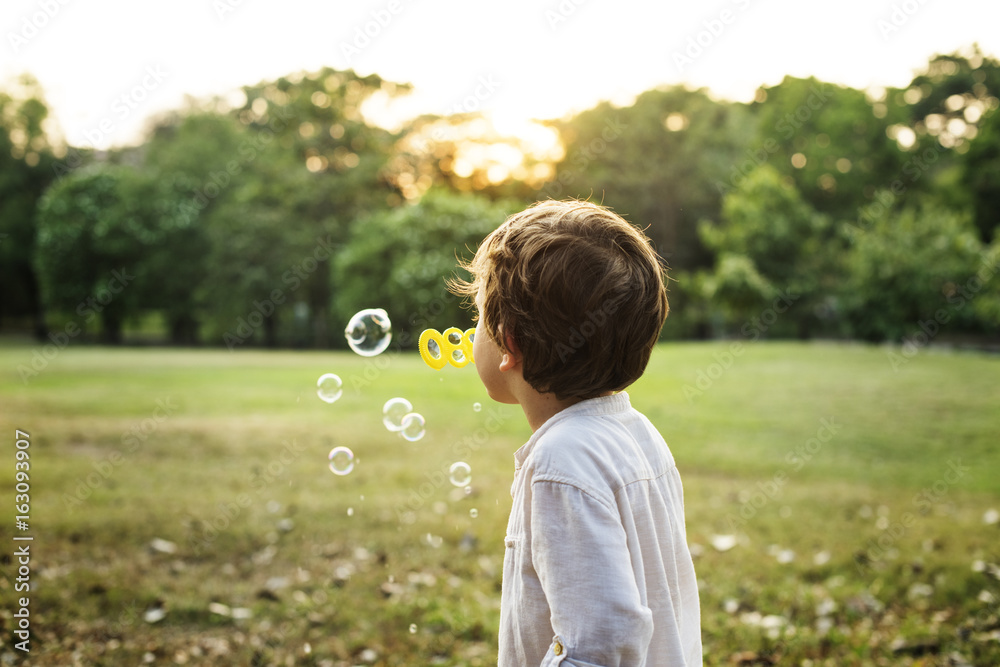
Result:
<point x="453" y="346"/>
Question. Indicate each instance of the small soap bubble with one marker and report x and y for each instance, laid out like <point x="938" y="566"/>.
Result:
<point x="454" y="338"/>
<point x="476" y="407"/>
<point x="473" y="512"/>
<point x="460" y="474"/>
<point x="329" y="387"/>
<point x="458" y="356"/>
<point x="412" y="427"/>
<point x="413" y="628"/>
<point x="350" y="511"/>
<point x="369" y="332"/>
<point x="393" y="412"/>
<point x="341" y="460"/>
<point x="434" y="349"/>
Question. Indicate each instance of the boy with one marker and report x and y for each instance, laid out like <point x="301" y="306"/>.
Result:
<point x="570" y="301"/>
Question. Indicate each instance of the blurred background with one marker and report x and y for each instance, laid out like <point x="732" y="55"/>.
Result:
<point x="197" y="196"/>
<point x="292" y="167"/>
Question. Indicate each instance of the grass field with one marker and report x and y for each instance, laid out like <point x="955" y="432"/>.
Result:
<point x="841" y="511"/>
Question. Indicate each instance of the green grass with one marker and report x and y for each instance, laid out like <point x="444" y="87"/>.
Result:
<point x="225" y="455"/>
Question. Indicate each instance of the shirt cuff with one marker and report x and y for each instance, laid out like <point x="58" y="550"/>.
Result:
<point x="556" y="653"/>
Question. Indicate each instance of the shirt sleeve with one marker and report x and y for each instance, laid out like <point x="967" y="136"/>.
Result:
<point x="581" y="556"/>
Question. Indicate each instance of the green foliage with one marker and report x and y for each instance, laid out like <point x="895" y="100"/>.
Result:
<point x="26" y="161"/>
<point x="769" y="243"/>
<point x="657" y="163"/>
<point x="981" y="176"/>
<point x="949" y="85"/>
<point x="116" y="243"/>
<point x="910" y="266"/>
<point x="834" y="129"/>
<point x="80" y="242"/>
<point x="275" y="186"/>
<point x="175" y="252"/>
<point x="317" y="165"/>
<point x="983" y="289"/>
<point x="232" y="220"/>
<point x="948" y="107"/>
<point x="400" y="259"/>
<point x="737" y="287"/>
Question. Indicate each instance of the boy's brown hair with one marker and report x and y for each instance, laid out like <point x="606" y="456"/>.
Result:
<point x="580" y="290"/>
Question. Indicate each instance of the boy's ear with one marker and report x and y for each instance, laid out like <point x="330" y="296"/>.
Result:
<point x="512" y="355"/>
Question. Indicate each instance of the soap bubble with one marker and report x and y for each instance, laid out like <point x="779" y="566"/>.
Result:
<point x="329" y="387"/>
<point x="341" y="460"/>
<point x="393" y="412"/>
<point x="458" y="356"/>
<point x="413" y="628"/>
<point x="460" y="474"/>
<point x="369" y="332"/>
<point x="412" y="427"/>
<point x="433" y="348"/>
<point x="473" y="512"/>
<point x="476" y="407"/>
<point x="454" y="338"/>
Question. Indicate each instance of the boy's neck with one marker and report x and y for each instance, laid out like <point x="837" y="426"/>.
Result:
<point x="544" y="408"/>
<point x="539" y="408"/>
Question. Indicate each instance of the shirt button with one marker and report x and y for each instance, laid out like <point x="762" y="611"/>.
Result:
<point x="558" y="648"/>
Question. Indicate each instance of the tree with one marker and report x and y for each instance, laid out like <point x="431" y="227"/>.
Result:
<point x="320" y="165"/>
<point x="115" y="242"/>
<point x="771" y="243"/>
<point x="657" y="162"/>
<point x="277" y="183"/>
<point x="26" y="159"/>
<point x="981" y="171"/>
<point x="957" y="86"/>
<point x="465" y="153"/>
<point x="80" y="244"/>
<point x="399" y="260"/>
<point x="830" y="141"/>
<point x="170" y="248"/>
<point x="912" y="265"/>
<point x="944" y="111"/>
<point x="211" y="165"/>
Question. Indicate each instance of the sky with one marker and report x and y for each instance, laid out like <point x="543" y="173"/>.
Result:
<point x="108" y="66"/>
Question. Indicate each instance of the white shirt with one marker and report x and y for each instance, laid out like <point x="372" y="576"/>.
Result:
<point x="597" y="569"/>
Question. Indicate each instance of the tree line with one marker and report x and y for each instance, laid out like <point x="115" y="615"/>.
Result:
<point x="816" y="210"/>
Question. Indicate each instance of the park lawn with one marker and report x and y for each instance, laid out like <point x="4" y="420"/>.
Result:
<point x="838" y="501"/>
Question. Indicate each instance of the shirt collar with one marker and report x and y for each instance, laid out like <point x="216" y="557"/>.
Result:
<point x="602" y="405"/>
